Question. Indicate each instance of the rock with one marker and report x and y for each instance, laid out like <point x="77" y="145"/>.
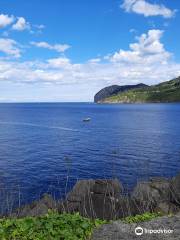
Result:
<point x="93" y="198"/>
<point x="48" y="201"/>
<point x="36" y="208"/>
<point x="80" y="190"/>
<point x="109" y="188"/>
<point x="175" y="189"/>
<point x="100" y="186"/>
<point x="97" y="206"/>
<point x="127" y="206"/>
<point x="101" y="199"/>
<point x="120" y="231"/>
<point x="152" y="192"/>
<point x="105" y="207"/>
<point x="167" y="208"/>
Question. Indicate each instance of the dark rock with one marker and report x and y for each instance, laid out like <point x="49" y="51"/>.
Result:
<point x="175" y="189"/>
<point x="104" y="207"/>
<point x="167" y="207"/>
<point x="114" y="89"/>
<point x="80" y="190"/>
<point x="97" y="206"/>
<point x="155" y="191"/>
<point x="102" y="199"/>
<point x="99" y="186"/>
<point x="127" y="206"/>
<point x="36" y="208"/>
<point x="93" y="198"/>
<point x="111" y="188"/>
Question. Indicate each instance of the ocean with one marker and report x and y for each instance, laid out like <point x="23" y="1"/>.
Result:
<point x="47" y="147"/>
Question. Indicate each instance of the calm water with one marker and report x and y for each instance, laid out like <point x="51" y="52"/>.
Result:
<point x="41" y="145"/>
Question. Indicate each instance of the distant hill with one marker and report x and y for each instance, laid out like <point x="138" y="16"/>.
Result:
<point x="114" y="90"/>
<point x="164" y="92"/>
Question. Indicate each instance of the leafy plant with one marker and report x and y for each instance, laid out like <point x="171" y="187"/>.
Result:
<point x="52" y="226"/>
<point x="142" y="218"/>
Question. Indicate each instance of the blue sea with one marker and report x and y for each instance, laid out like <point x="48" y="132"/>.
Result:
<point x="46" y="147"/>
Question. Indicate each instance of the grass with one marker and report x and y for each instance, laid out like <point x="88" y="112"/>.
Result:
<point x="142" y="218"/>
<point x="52" y="226"/>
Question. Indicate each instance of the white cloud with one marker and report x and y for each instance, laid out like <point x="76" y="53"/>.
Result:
<point x="56" y="47"/>
<point x="61" y="62"/>
<point x="10" y="47"/>
<point x="146" y="61"/>
<point x="18" y="24"/>
<point x="5" y="20"/>
<point x="21" y="24"/>
<point x="147" y="9"/>
<point x="147" y="50"/>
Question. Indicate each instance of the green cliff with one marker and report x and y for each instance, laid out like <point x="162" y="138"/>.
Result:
<point x="164" y="92"/>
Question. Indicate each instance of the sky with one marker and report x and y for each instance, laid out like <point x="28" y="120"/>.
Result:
<point x="67" y="50"/>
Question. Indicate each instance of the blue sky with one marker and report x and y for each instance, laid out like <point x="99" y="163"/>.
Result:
<point x="66" y="50"/>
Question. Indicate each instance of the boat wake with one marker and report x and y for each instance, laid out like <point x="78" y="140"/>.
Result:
<point x="40" y="126"/>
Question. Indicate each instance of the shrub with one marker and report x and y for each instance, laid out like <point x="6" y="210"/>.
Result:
<point x="52" y="226"/>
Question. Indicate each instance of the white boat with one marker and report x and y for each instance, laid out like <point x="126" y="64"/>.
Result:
<point x="86" y="119"/>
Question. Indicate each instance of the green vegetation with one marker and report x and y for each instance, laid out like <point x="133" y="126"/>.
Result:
<point x="55" y="226"/>
<point x="52" y="226"/>
<point x="142" y="218"/>
<point x="164" y="92"/>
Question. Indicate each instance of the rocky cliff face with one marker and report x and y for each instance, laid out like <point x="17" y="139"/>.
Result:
<point x="113" y="90"/>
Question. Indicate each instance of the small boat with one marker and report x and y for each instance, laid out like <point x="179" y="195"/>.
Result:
<point x="86" y="119"/>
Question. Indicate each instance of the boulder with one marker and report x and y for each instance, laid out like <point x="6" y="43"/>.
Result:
<point x="104" y="207"/>
<point x="152" y="192"/>
<point x="111" y="188"/>
<point x="36" y="208"/>
<point x="100" y="186"/>
<point x="93" y="198"/>
<point x="175" y="189"/>
<point x="167" y="207"/>
<point x="101" y="199"/>
<point x="127" y="206"/>
<point x="80" y="190"/>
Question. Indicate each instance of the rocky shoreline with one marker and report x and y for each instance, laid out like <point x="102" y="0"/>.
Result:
<point x="104" y="199"/>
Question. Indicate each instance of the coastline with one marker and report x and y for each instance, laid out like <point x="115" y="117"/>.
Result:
<point x="105" y="199"/>
<point x="138" y="102"/>
<point x="98" y="210"/>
